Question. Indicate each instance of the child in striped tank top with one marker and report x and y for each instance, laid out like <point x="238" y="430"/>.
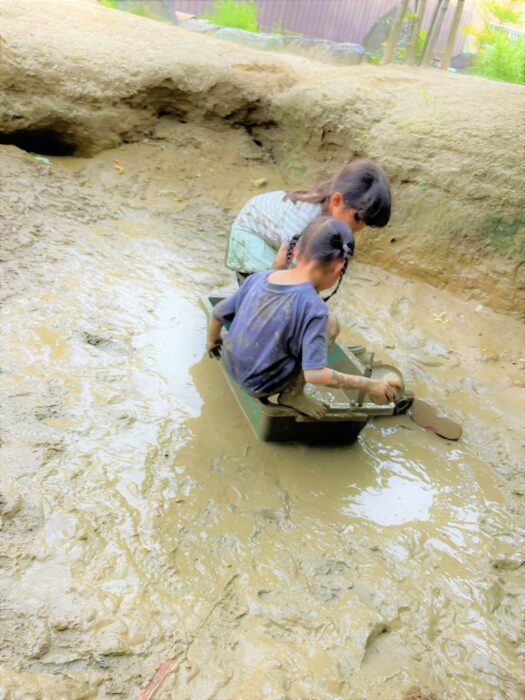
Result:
<point x="359" y="196"/>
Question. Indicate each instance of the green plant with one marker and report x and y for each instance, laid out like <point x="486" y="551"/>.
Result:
<point x="140" y="12"/>
<point x="278" y="29"/>
<point x="114" y="5"/>
<point x="501" y="57"/>
<point x="401" y="52"/>
<point x="504" y="13"/>
<point x="234" y="13"/>
<point x="421" y="39"/>
<point x="500" y="54"/>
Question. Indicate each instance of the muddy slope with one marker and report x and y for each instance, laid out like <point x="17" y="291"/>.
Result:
<point x="78" y="78"/>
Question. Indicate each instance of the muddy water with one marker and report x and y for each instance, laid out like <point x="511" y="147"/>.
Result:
<point x="141" y="518"/>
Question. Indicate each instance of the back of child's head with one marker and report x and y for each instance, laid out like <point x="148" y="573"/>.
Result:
<point x="364" y="187"/>
<point x="324" y="240"/>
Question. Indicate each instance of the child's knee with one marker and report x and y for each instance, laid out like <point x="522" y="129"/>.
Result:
<point x="333" y="327"/>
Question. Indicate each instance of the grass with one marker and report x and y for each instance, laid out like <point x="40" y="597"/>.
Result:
<point x="114" y="5"/>
<point x="501" y="57"/>
<point x="234" y="13"/>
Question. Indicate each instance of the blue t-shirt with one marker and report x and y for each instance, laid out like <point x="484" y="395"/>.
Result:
<point x="276" y="330"/>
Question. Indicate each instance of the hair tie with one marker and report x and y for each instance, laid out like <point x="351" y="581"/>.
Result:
<point x="347" y="250"/>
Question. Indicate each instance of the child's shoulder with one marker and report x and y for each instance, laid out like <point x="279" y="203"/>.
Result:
<point x="279" y="197"/>
<point x="317" y="303"/>
<point x="258" y="276"/>
<point x="310" y="300"/>
<point x="276" y="206"/>
<point x="256" y="279"/>
<point x="272" y="194"/>
<point x="267" y="203"/>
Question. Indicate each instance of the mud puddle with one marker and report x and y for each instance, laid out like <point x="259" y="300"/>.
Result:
<point x="141" y="520"/>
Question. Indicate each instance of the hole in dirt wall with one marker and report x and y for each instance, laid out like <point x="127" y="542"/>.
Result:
<point x="151" y="103"/>
<point x="46" y="141"/>
<point x="254" y="118"/>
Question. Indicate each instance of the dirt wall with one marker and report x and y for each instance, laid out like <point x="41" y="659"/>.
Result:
<point x="78" y="78"/>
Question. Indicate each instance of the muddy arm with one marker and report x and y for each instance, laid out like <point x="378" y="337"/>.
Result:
<point x="280" y="260"/>
<point x="214" y="335"/>
<point x="380" y="391"/>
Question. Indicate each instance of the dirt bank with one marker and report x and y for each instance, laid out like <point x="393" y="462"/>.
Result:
<point x="78" y="78"/>
<point x="141" y="520"/>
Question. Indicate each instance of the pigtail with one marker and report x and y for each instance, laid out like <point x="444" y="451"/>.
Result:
<point x="291" y="248"/>
<point x="324" y="240"/>
<point x="348" y="252"/>
<point x="319" y="195"/>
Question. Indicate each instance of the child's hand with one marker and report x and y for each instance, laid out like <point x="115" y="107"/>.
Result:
<point x="384" y="391"/>
<point x="214" y="347"/>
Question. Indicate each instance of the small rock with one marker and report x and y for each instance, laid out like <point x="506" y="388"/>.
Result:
<point x="112" y="645"/>
<point x="511" y="563"/>
<point x="260" y="182"/>
<point x="60" y="624"/>
<point x="489" y="355"/>
<point x="113" y="640"/>
<point x="41" y="644"/>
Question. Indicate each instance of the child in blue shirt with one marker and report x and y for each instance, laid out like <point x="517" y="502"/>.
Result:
<point x="280" y="328"/>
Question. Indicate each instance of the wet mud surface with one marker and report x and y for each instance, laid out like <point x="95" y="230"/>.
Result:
<point x="142" y="521"/>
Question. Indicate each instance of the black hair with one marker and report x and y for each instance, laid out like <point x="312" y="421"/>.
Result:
<point x="364" y="187"/>
<point x="324" y="240"/>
